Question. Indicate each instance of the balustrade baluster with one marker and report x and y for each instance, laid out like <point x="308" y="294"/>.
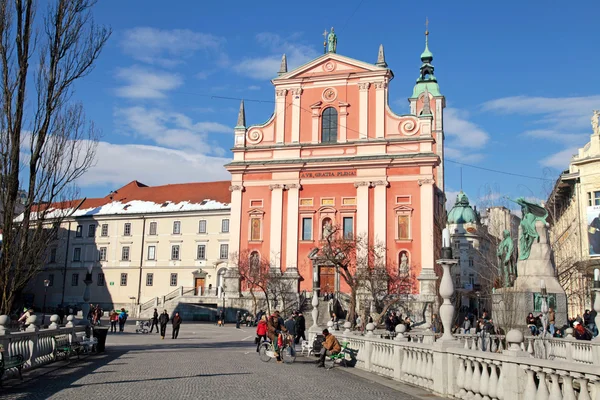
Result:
<point x="420" y="368"/>
<point x="485" y="380"/>
<point x="476" y="379"/>
<point x="493" y="385"/>
<point x="584" y="393"/>
<point x="567" y="388"/>
<point x="596" y="388"/>
<point x="404" y="362"/>
<point x="468" y="379"/>
<point x="500" y="391"/>
<point x="474" y="343"/>
<point x="530" y="389"/>
<point x="430" y="368"/>
<point x="555" y="393"/>
<point x="530" y="346"/>
<point x="460" y="379"/>
<point x="466" y="345"/>
<point x="542" y="390"/>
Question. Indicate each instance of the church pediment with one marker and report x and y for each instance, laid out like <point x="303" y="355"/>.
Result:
<point x="330" y="64"/>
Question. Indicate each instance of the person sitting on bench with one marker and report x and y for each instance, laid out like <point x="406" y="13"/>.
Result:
<point x="330" y="346"/>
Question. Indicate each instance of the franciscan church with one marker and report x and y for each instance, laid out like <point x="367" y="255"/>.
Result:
<point x="334" y="153"/>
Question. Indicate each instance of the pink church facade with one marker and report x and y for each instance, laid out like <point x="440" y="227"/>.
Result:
<point x="334" y="152"/>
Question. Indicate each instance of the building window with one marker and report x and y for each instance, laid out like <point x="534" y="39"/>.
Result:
<point x="306" y="228"/>
<point x="594" y="198"/>
<point x="457" y="281"/>
<point x="149" y="279"/>
<point x="92" y="230"/>
<point x="127" y="229"/>
<point x="254" y="261"/>
<point x="151" y="252"/>
<point x="176" y="227"/>
<point x="329" y="123"/>
<point x="125" y="253"/>
<point x="152" y="228"/>
<point x="50" y="279"/>
<point x="123" y="279"/>
<point x="77" y="254"/>
<point x="472" y="279"/>
<point x="175" y="252"/>
<point x="201" y="252"/>
<point x="326" y="228"/>
<point x="101" y="279"/>
<point x="173" y="279"/>
<point x="53" y="255"/>
<point x="348" y="227"/>
<point x="79" y="231"/>
<point x="306" y="202"/>
<point x="104" y="230"/>
<point x="224" y="252"/>
<point x="470" y="262"/>
<point x="74" y="279"/>
<point x="202" y="226"/>
<point x="225" y="226"/>
<point x="255" y="229"/>
<point x="102" y="255"/>
<point x="403" y="227"/>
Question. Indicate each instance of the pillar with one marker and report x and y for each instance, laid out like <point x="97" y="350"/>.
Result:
<point x="295" y="114"/>
<point x="280" y="115"/>
<point x="315" y="124"/>
<point x="291" y="249"/>
<point x="363" y="110"/>
<point x="362" y="209"/>
<point x="427" y="276"/>
<point x="380" y="223"/>
<point x="380" y="109"/>
<point x="276" y="224"/>
<point x="235" y="218"/>
<point x="343" y="122"/>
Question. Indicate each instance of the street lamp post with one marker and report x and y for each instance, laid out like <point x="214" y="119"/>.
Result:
<point x="596" y="289"/>
<point x="224" y="316"/>
<point x="544" y="308"/>
<point x="46" y="284"/>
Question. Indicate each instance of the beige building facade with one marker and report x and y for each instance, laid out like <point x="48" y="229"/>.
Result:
<point x="574" y="209"/>
<point x="139" y="243"/>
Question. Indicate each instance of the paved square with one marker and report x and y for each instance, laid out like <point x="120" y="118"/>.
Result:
<point x="205" y="362"/>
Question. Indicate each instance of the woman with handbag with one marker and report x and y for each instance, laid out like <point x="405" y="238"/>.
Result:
<point x="261" y="331"/>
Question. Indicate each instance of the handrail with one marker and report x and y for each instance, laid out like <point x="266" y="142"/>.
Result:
<point x="188" y="290"/>
<point x="173" y="294"/>
<point x="149" y="304"/>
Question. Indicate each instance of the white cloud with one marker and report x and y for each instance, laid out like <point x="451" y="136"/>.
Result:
<point x="171" y="129"/>
<point x="142" y="83"/>
<point x="450" y="198"/>
<point x="266" y="67"/>
<point x="560" y="112"/>
<point x="469" y="157"/>
<point x="556" y="136"/>
<point x="166" y="47"/>
<point x="559" y="160"/>
<point x="463" y="132"/>
<point x="119" y="164"/>
<point x="253" y="87"/>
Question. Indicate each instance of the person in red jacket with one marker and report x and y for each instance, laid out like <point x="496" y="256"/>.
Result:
<point x="261" y="331"/>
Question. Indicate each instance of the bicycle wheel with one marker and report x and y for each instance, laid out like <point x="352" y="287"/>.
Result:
<point x="288" y="354"/>
<point x="262" y="352"/>
<point x="329" y="362"/>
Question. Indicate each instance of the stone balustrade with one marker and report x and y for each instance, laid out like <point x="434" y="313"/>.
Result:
<point x="460" y="369"/>
<point x="35" y="345"/>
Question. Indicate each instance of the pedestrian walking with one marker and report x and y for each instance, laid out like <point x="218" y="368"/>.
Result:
<point x="163" y="320"/>
<point x="122" y="320"/>
<point x="261" y="331"/>
<point x="154" y="321"/>
<point x="176" y="324"/>
<point x="238" y="317"/>
<point x="300" y="327"/>
<point x="467" y="326"/>
<point x="114" y="318"/>
<point x="290" y="325"/>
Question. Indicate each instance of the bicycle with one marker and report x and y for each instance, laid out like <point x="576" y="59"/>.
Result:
<point x="342" y="358"/>
<point x="287" y="352"/>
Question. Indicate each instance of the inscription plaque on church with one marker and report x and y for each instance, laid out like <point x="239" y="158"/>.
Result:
<point x="327" y="174"/>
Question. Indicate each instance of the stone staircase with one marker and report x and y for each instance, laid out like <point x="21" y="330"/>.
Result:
<point x="184" y="301"/>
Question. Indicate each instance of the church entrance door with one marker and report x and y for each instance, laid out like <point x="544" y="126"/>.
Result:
<point x="199" y="286"/>
<point x="327" y="280"/>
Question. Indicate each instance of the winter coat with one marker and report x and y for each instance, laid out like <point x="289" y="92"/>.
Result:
<point x="163" y="319"/>
<point x="300" y="324"/>
<point x="290" y="325"/>
<point x="176" y="321"/>
<point x="261" y="329"/>
<point x="332" y="344"/>
<point x="155" y="317"/>
<point x="274" y="328"/>
<point x="466" y="324"/>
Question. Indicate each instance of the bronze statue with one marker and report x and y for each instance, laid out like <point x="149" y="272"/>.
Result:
<point x="506" y="266"/>
<point x="531" y="213"/>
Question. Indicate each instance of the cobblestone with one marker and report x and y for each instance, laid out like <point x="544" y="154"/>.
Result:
<point x="205" y="362"/>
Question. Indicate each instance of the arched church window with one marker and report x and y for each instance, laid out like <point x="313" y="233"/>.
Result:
<point x="326" y="228"/>
<point x="329" y="125"/>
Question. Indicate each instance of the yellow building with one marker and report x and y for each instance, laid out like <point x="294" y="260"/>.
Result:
<point x="574" y="208"/>
<point x="140" y="243"/>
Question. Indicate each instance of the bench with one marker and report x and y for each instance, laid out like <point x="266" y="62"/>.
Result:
<point x="64" y="347"/>
<point x="16" y="361"/>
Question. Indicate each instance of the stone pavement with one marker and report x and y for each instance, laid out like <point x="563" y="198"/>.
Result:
<point x="206" y="362"/>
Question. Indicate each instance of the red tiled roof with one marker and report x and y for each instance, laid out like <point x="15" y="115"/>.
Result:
<point x="192" y="192"/>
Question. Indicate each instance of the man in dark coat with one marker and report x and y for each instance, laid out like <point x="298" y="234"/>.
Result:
<point x="176" y="324"/>
<point x="154" y="321"/>
<point x="300" y="328"/>
<point x="163" y="320"/>
<point x="290" y="325"/>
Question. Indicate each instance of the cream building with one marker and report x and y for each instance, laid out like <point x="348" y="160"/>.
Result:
<point x="574" y="208"/>
<point x="140" y="243"/>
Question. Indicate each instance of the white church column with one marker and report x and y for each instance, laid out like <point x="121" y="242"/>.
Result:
<point x="427" y="277"/>
<point x="236" y="218"/>
<point x="280" y="115"/>
<point x="296" y="114"/>
<point x="276" y="224"/>
<point x="363" y="110"/>
<point x="291" y="246"/>
<point x="380" y="205"/>
<point x="380" y="109"/>
<point x="362" y="209"/>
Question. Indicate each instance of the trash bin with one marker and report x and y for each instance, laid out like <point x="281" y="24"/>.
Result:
<point x="100" y="333"/>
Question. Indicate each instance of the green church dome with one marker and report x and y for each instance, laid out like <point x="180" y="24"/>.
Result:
<point x="462" y="212"/>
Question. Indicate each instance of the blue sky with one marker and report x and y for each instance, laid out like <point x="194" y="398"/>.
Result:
<point x="520" y="79"/>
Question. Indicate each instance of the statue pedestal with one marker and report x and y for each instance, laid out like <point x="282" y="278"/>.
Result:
<point x="512" y="305"/>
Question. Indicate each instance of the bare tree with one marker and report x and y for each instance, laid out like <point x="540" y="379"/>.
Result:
<point x="46" y="144"/>
<point x="280" y="289"/>
<point x="255" y="275"/>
